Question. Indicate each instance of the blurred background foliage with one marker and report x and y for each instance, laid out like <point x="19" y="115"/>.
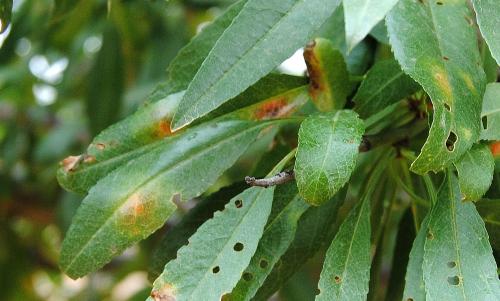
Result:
<point x="68" y="69"/>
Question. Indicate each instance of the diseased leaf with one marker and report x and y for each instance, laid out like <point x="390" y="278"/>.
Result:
<point x="275" y="96"/>
<point x="213" y="261"/>
<point x="415" y="286"/>
<point x="361" y="16"/>
<point x="488" y="20"/>
<point x="183" y="68"/>
<point x="134" y="200"/>
<point x="279" y="233"/>
<point x="475" y="172"/>
<point x="315" y="230"/>
<point x="491" y="112"/>
<point x="384" y="85"/>
<point x="329" y="80"/>
<point x="5" y="14"/>
<point x="178" y="236"/>
<point x="458" y="261"/>
<point x="326" y="155"/>
<point x="490" y="212"/>
<point x="346" y="270"/>
<point x="106" y="83"/>
<point x="436" y="46"/>
<point x="256" y="42"/>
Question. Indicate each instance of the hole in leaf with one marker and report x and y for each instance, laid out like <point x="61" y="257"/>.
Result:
<point x="225" y="297"/>
<point x="452" y="264"/>
<point x="263" y="263"/>
<point x="247" y="276"/>
<point x="238" y="203"/>
<point x="485" y="122"/>
<point x="450" y="142"/>
<point x="447" y="107"/>
<point x="216" y="269"/>
<point x="439" y="3"/>
<point x="430" y="236"/>
<point x="238" y="246"/>
<point x="337" y="279"/>
<point x="454" y="280"/>
<point x="409" y="299"/>
<point x="446" y="58"/>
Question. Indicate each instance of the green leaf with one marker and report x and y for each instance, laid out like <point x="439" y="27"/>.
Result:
<point x="326" y="155"/>
<point x="379" y="32"/>
<point x="213" y="261"/>
<point x="475" y="172"/>
<point x="346" y="270"/>
<point x="134" y="200"/>
<point x="262" y="36"/>
<point x="5" y="14"/>
<point x="183" y="68"/>
<point x="491" y="112"/>
<point x="415" y="286"/>
<point x="274" y="96"/>
<point x="437" y="47"/>
<point x="106" y="83"/>
<point x="361" y="16"/>
<point x="329" y="80"/>
<point x="279" y="233"/>
<point x="488" y="20"/>
<point x="458" y="260"/>
<point x="178" y="236"/>
<point x="315" y="230"/>
<point x="384" y="85"/>
<point x="490" y="212"/>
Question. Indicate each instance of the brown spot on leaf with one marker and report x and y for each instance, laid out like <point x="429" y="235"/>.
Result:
<point x="71" y="163"/>
<point x="316" y="86"/>
<point x="495" y="148"/>
<point x="337" y="279"/>
<point x="89" y="159"/>
<point x="100" y="146"/>
<point x="165" y="293"/>
<point x="163" y="129"/>
<point x="272" y="109"/>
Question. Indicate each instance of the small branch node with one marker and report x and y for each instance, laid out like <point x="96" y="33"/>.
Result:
<point x="281" y="178"/>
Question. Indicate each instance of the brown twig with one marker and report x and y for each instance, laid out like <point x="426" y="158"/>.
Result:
<point x="281" y="178"/>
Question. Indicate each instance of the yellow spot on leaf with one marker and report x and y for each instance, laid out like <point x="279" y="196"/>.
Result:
<point x="443" y="83"/>
<point x="468" y="82"/>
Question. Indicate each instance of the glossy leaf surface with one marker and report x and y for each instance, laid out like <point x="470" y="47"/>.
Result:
<point x="458" y="260"/>
<point x="384" y="85"/>
<point x="213" y="261"/>
<point x="361" y="16"/>
<point x="475" y="172"/>
<point x="133" y="201"/>
<point x="488" y="20"/>
<point x="326" y="155"/>
<point x="446" y="62"/>
<point x="241" y="56"/>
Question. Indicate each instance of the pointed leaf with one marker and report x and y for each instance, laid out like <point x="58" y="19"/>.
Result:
<point x="279" y="233"/>
<point x="213" y="261"/>
<point x="437" y="47"/>
<point x="275" y="96"/>
<point x="183" y="68"/>
<point x="415" y="286"/>
<point x="326" y="155"/>
<point x="385" y="84"/>
<point x="475" y="172"/>
<point x="458" y="260"/>
<point x="361" y="16"/>
<point x="491" y="112"/>
<point x="256" y="42"/>
<point x="329" y="80"/>
<point x="346" y="270"/>
<point x="488" y="18"/>
<point x="315" y="230"/>
<point x="134" y="200"/>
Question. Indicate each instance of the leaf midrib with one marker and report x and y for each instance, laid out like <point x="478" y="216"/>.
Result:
<point x="171" y="167"/>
